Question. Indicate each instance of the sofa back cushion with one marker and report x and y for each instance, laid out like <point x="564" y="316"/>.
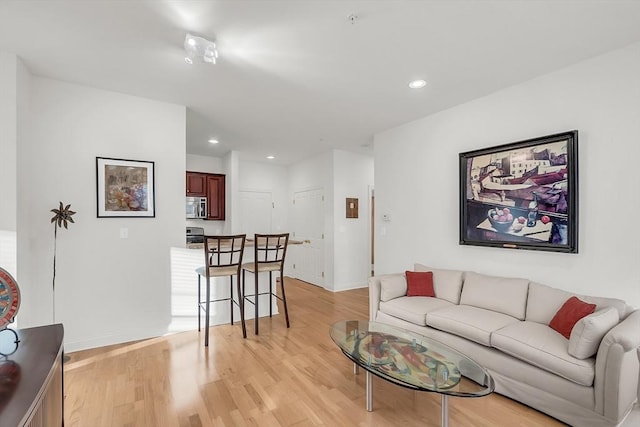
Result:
<point x="392" y="286"/>
<point x="588" y="332"/>
<point x="501" y="294"/>
<point x="447" y="284"/>
<point x="544" y="301"/>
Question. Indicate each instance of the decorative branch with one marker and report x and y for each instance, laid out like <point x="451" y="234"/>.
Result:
<point x="63" y="216"/>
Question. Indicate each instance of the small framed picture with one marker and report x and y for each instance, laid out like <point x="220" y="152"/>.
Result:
<point x="352" y="207"/>
<point x="125" y="188"/>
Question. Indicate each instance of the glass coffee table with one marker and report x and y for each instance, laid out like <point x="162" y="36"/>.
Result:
<point x="410" y="360"/>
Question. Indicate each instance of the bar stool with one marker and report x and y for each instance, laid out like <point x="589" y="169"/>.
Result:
<point x="269" y="254"/>
<point x="222" y="257"/>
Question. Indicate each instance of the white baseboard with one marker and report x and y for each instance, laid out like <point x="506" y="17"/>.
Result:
<point x="115" y="338"/>
<point x="350" y="286"/>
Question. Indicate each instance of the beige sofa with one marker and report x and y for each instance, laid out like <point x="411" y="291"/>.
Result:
<point x="502" y="323"/>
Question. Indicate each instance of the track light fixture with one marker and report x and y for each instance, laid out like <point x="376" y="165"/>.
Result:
<point x="201" y="48"/>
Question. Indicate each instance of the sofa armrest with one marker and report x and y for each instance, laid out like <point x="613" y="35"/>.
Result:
<point x="374" y="297"/>
<point x="616" y="376"/>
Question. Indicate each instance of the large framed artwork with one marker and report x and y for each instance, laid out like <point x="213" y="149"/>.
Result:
<point x="522" y="195"/>
<point x="125" y="188"/>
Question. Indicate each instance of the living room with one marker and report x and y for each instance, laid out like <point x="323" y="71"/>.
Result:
<point x="112" y="290"/>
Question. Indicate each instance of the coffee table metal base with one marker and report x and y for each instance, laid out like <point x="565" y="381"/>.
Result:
<point x="369" y="396"/>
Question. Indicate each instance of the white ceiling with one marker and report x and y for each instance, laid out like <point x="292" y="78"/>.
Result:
<point x="296" y="78"/>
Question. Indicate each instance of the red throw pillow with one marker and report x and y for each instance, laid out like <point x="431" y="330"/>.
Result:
<point x="420" y="284"/>
<point x="569" y="314"/>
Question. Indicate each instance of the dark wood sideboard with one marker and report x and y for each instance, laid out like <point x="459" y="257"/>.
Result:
<point x="31" y="379"/>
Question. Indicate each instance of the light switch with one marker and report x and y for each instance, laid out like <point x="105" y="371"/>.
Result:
<point x="124" y="233"/>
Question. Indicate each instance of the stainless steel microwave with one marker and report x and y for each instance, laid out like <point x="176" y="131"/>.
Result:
<point x="196" y="207"/>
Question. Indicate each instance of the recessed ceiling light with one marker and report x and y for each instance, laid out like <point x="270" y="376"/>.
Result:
<point x="417" y="84"/>
<point x="213" y="141"/>
<point x="271" y="157"/>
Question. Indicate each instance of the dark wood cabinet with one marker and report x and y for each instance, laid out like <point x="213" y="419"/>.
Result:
<point x="196" y="184"/>
<point x="215" y="196"/>
<point x="211" y="186"/>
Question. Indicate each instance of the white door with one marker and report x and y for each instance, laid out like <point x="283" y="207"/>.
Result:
<point x="256" y="208"/>
<point x="308" y="221"/>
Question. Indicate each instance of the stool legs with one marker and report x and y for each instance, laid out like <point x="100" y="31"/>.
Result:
<point x="255" y="275"/>
<point x="241" y="306"/>
<point x="199" y="299"/>
<point x="270" y="294"/>
<point x="207" y="305"/>
<point x="255" y="297"/>
<point x="231" y="297"/>
<point x="206" y="314"/>
<point x="284" y="298"/>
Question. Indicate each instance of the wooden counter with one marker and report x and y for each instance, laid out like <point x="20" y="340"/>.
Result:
<point x="31" y="384"/>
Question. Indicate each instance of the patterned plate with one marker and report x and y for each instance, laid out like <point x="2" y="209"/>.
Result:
<point x="9" y="297"/>
<point x="405" y="360"/>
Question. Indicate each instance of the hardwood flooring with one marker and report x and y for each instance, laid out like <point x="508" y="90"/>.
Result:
<point x="283" y="377"/>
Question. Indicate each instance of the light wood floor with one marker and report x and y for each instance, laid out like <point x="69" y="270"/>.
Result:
<point x="283" y="377"/>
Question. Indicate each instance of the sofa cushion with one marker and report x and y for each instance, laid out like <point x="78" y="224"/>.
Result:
<point x="469" y="322"/>
<point x="501" y="294"/>
<point x="568" y="315"/>
<point x="541" y="346"/>
<point x="392" y="286"/>
<point x="447" y="284"/>
<point x="413" y="309"/>
<point x="544" y="301"/>
<point x="588" y="332"/>
<point x="419" y="284"/>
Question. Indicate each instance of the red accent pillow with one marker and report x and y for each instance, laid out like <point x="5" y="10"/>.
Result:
<point x="569" y="314"/>
<point x="420" y="284"/>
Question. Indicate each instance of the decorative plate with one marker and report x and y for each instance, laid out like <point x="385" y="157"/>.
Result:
<point x="9" y="297"/>
<point x="408" y="361"/>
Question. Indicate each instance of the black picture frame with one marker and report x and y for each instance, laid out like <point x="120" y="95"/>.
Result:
<point x="535" y="179"/>
<point x="125" y="188"/>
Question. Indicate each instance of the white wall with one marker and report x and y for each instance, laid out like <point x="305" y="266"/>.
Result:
<point x="310" y="174"/>
<point x="243" y="175"/>
<point x="206" y="164"/>
<point x="417" y="181"/>
<point x="314" y="172"/>
<point x="10" y="95"/>
<point x="232" y="165"/>
<point x="264" y="177"/>
<point x="340" y="174"/>
<point x="108" y="289"/>
<point x="353" y="175"/>
<point x="8" y="139"/>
